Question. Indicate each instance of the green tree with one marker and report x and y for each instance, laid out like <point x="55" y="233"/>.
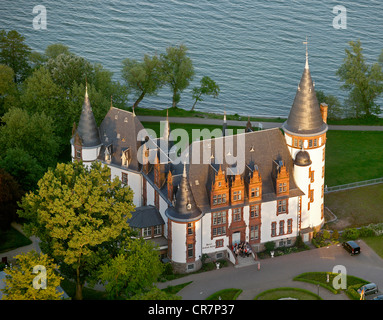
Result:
<point x="54" y="50"/>
<point x="15" y="53"/>
<point x="155" y="294"/>
<point x="178" y="70"/>
<point x="79" y="214"/>
<point x="8" y="89"/>
<point x="22" y="283"/>
<point x="21" y="165"/>
<point x="207" y="87"/>
<point x="143" y="78"/>
<point x="133" y="270"/>
<point x="335" y="108"/>
<point x="32" y="133"/>
<point x="10" y="194"/>
<point x="363" y="82"/>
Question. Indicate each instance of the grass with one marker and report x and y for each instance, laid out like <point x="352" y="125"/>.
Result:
<point x="176" y="289"/>
<point x="321" y="279"/>
<point x="286" y="292"/>
<point x="225" y="294"/>
<point x="356" y="207"/>
<point x="375" y="243"/>
<point x="353" y="156"/>
<point x="12" y="239"/>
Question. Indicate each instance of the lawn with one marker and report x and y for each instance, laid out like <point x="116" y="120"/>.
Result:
<point x="225" y="294"/>
<point x="280" y="293"/>
<point x="356" y="207"/>
<point x="376" y="244"/>
<point x="353" y="156"/>
<point x="12" y="239"/>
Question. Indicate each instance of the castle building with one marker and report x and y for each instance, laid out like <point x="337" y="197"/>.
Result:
<point x="204" y="207"/>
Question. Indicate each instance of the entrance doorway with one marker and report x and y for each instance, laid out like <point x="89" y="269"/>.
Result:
<point x="236" y="238"/>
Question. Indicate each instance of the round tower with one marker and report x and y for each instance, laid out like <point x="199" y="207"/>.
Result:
<point x="184" y="229"/>
<point x="85" y="142"/>
<point x="306" y="129"/>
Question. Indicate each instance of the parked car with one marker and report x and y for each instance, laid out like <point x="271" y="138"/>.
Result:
<point x="369" y="288"/>
<point x="380" y="297"/>
<point x="352" y="247"/>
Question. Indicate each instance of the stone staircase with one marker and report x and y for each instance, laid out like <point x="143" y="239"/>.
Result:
<point x="245" y="262"/>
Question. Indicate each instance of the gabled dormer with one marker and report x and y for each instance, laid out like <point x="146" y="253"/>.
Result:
<point x="282" y="179"/>
<point x="159" y="173"/>
<point x="255" y="185"/>
<point x="237" y="190"/>
<point x="126" y="157"/>
<point x="219" y="196"/>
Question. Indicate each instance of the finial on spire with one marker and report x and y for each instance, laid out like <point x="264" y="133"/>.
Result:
<point x="224" y="113"/>
<point x="307" y="53"/>
<point x="86" y="87"/>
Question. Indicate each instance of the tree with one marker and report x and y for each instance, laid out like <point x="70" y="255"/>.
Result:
<point x="15" y="53"/>
<point x="25" y="279"/>
<point x="133" y="270"/>
<point x="178" y="70"/>
<point x="363" y="82"/>
<point x="144" y="78"/>
<point x="54" y="50"/>
<point x="207" y="87"/>
<point x="8" y="89"/>
<point x="155" y="294"/>
<point x="10" y="194"/>
<point x="79" y="214"/>
<point x="34" y="134"/>
<point x="335" y="108"/>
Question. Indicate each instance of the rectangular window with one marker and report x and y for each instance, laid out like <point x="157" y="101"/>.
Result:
<point x="290" y="226"/>
<point x="157" y="230"/>
<point x="124" y="178"/>
<point x="190" y="229"/>
<point x="300" y="143"/>
<point x="219" y="218"/>
<point x="315" y="142"/>
<point x="295" y="142"/>
<point x="254" y="211"/>
<point x="219" y="231"/>
<point x="310" y="143"/>
<point x="237" y="195"/>
<point x="282" y="206"/>
<point x="281" y="227"/>
<point x="219" y="243"/>
<point x="219" y="198"/>
<point x="78" y="153"/>
<point x="147" y="232"/>
<point x="190" y="250"/>
<point x="254" y="232"/>
<point x="237" y="214"/>
<point x="273" y="229"/>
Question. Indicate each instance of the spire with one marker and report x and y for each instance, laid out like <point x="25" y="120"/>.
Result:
<point x="224" y="126"/>
<point x="87" y="127"/>
<point x="307" y="53"/>
<point x="305" y="116"/>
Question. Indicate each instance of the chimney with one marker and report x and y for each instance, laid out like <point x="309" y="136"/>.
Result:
<point x="323" y="110"/>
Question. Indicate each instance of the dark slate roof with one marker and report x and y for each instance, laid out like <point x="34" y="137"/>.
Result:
<point x="261" y="149"/>
<point x="87" y="127"/>
<point x="305" y="117"/>
<point x="186" y="208"/>
<point x="145" y="216"/>
<point x="119" y="131"/>
<point x="302" y="158"/>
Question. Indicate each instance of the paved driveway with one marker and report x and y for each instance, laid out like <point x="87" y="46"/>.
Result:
<point x="279" y="271"/>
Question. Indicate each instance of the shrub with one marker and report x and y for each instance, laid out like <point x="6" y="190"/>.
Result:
<point x="326" y="234"/>
<point x="270" y="246"/>
<point x="335" y="235"/>
<point x="350" y="234"/>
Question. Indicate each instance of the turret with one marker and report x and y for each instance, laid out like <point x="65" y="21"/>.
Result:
<point x="85" y="140"/>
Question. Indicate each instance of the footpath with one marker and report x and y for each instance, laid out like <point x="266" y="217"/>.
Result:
<point x="238" y="123"/>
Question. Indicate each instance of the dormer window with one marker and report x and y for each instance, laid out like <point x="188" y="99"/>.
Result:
<point x="126" y="157"/>
<point x="108" y="153"/>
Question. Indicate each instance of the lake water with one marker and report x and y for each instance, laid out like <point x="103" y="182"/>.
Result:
<point x="252" y="49"/>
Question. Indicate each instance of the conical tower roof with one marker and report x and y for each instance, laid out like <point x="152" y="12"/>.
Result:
<point x="305" y="117"/>
<point x="185" y="208"/>
<point x="87" y="127"/>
